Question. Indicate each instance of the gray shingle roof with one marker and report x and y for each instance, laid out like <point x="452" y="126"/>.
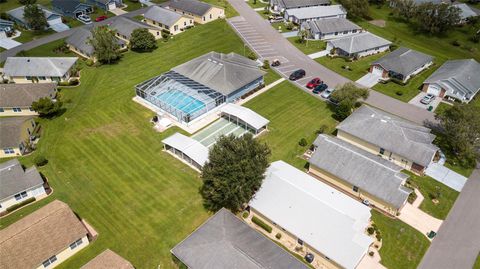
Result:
<point x="301" y="3"/>
<point x="108" y="260"/>
<point x="191" y="6"/>
<point x="392" y="133"/>
<point x="17" y="13"/>
<point x="467" y="11"/>
<point x="13" y="179"/>
<point x="369" y="172"/>
<point x="224" y="241"/>
<point x="458" y="76"/>
<point x="11" y="131"/>
<point x="224" y="73"/>
<point x="23" y="95"/>
<point x="162" y="15"/>
<point x="404" y="61"/>
<point x="316" y="12"/>
<point x="359" y="42"/>
<point x="79" y="39"/>
<point x="330" y="25"/>
<point x="68" y="6"/>
<point x="38" y="66"/>
<point x="125" y="26"/>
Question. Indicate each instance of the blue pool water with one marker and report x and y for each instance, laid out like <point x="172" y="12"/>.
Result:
<point x="181" y="101"/>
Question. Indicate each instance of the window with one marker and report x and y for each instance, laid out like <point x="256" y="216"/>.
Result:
<point x="345" y="32"/>
<point x="184" y="23"/>
<point x="42" y="78"/>
<point x="354" y="31"/>
<point x="17" y="109"/>
<point x="203" y="18"/>
<point x="336" y="33"/>
<point x="8" y="150"/>
<point x="300" y="241"/>
<point x="382" y="151"/>
<point x="210" y="16"/>
<point x="355" y="188"/>
<point x="1" y="109"/>
<point x="28" y="78"/>
<point x="76" y="243"/>
<point x="49" y="261"/>
<point x="175" y="28"/>
<point x="21" y="195"/>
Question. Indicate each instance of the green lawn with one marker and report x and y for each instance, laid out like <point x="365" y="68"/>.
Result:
<point x="357" y="70"/>
<point x="11" y="4"/>
<point x="477" y="262"/>
<point x="131" y="5"/>
<point x="107" y="163"/>
<point x="308" y="47"/>
<point x="402" y="247"/>
<point x="441" y="108"/>
<point x="256" y="4"/>
<point x="28" y="35"/>
<point x="47" y="50"/>
<point x="430" y="188"/>
<point x="293" y="115"/>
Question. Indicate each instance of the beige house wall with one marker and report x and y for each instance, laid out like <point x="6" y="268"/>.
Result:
<point x="348" y="188"/>
<point x="212" y="14"/>
<point x="181" y="24"/>
<point x="15" y="154"/>
<point x="33" y="192"/>
<point x="8" y="112"/>
<point x="396" y="159"/>
<point x="289" y="240"/>
<point x="67" y="253"/>
<point x="25" y="80"/>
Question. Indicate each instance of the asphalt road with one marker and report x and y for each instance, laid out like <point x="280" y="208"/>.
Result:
<point x="457" y="243"/>
<point x="56" y="36"/>
<point x="269" y="44"/>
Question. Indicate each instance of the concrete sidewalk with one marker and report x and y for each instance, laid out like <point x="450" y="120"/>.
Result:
<point x="446" y="176"/>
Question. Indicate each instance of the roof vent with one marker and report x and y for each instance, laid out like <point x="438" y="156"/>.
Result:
<point x="382" y="120"/>
<point x="28" y="60"/>
<point x="373" y="115"/>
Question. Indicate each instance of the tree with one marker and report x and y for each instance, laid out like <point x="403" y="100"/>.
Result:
<point x="356" y="8"/>
<point x="35" y="17"/>
<point x="46" y="107"/>
<point x="234" y="172"/>
<point x="347" y="97"/>
<point x="436" y="18"/>
<point x="461" y="127"/>
<point x="404" y="9"/>
<point x="142" y="40"/>
<point x="105" y="45"/>
<point x="303" y="34"/>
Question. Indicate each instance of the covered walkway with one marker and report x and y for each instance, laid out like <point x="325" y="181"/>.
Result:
<point x="186" y="149"/>
<point x="246" y="117"/>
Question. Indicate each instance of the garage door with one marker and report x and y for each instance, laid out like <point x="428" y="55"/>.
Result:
<point x="433" y="89"/>
<point x="55" y="21"/>
<point x="377" y="70"/>
<point x="112" y="6"/>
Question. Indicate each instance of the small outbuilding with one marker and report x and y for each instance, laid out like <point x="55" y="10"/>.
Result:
<point x="246" y="117"/>
<point x="187" y="149"/>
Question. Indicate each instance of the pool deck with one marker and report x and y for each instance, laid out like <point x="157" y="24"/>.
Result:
<point x="210" y="134"/>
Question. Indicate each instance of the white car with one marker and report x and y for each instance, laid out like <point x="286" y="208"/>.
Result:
<point x="84" y="18"/>
<point x="326" y="94"/>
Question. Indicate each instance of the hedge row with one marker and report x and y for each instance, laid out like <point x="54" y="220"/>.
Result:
<point x="26" y="202"/>
<point x="262" y="224"/>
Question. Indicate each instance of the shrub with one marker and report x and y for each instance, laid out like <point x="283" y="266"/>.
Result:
<point x="399" y="93"/>
<point x="302" y="142"/>
<point x="25" y="202"/>
<point x="371" y="253"/>
<point x="40" y="160"/>
<point x="262" y="224"/>
<point x="323" y="128"/>
<point x="370" y="230"/>
<point x="412" y="197"/>
<point x="278" y="236"/>
<point x="245" y="214"/>
<point x="89" y="62"/>
<point x="456" y="43"/>
<point x="266" y="64"/>
<point x="378" y="236"/>
<point x="252" y="56"/>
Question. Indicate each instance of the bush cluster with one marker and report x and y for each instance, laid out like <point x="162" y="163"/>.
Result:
<point x="262" y="224"/>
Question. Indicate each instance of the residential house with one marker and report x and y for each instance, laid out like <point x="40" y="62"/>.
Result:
<point x="6" y="28"/>
<point x="106" y="4"/>
<point x="455" y="79"/>
<point x="282" y="5"/>
<point x="124" y="27"/>
<point x="225" y="241"/>
<point x="19" y="184"/>
<point x="200" y="11"/>
<point x="466" y="12"/>
<point x="43" y="239"/>
<point x="330" y="28"/>
<point x="401" y="64"/>
<point x="205" y="82"/>
<point x="78" y="42"/>
<point x="402" y="142"/>
<point x="71" y="8"/>
<point x="16" y="99"/>
<point x="15" y="135"/>
<point x="303" y="14"/>
<point x="17" y="16"/>
<point x="359" y="173"/>
<point x="108" y="260"/>
<point x="359" y="45"/>
<point x="313" y="217"/>
<point x="38" y="69"/>
<point x="167" y="20"/>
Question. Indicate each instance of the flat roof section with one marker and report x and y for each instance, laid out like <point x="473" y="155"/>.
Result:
<point x="188" y="146"/>
<point x="249" y="116"/>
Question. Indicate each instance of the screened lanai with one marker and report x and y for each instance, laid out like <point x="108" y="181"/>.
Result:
<point x="183" y="98"/>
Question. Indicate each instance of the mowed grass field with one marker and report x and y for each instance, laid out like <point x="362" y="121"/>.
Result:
<point x="107" y="163"/>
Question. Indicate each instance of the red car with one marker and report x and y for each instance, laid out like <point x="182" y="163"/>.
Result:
<point x="314" y="83"/>
<point x="101" y="18"/>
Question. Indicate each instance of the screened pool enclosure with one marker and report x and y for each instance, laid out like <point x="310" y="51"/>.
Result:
<point x="183" y="98"/>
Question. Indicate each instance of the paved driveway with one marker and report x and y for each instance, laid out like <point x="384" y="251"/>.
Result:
<point x="416" y="101"/>
<point x="419" y="220"/>
<point x="446" y="176"/>
<point x="260" y="36"/>
<point x="59" y="27"/>
<point x="369" y="80"/>
<point x="8" y="43"/>
<point x="457" y="243"/>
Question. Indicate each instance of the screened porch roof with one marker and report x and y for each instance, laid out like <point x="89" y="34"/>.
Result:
<point x="189" y="146"/>
<point x="247" y="115"/>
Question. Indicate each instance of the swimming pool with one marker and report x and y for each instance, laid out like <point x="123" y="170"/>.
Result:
<point x="181" y="101"/>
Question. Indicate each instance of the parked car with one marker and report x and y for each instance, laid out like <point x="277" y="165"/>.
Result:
<point x="427" y="99"/>
<point x="297" y="74"/>
<point x="327" y="93"/>
<point x="277" y="18"/>
<point x="320" y="88"/>
<point x="314" y="83"/>
<point x="275" y="63"/>
<point x="84" y="18"/>
<point x="101" y="18"/>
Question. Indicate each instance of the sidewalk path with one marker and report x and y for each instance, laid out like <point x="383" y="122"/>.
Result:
<point x="446" y="176"/>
